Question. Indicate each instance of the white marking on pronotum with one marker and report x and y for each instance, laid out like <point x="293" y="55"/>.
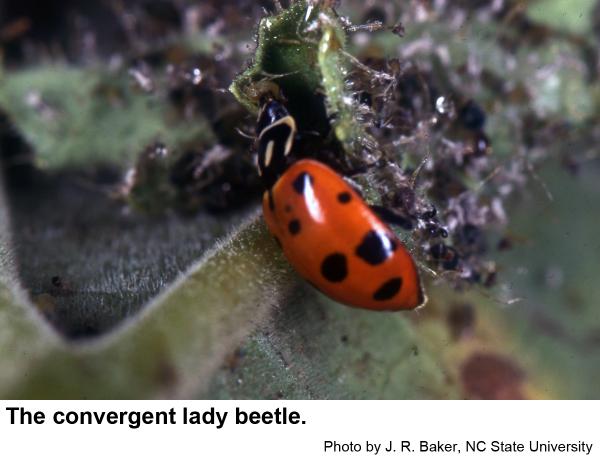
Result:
<point x="291" y="123"/>
<point x="290" y="140"/>
<point x="269" y="152"/>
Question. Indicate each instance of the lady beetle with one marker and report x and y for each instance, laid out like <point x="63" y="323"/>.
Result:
<point x="326" y="230"/>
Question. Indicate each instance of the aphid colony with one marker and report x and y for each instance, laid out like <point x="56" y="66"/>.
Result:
<point x="326" y="230"/>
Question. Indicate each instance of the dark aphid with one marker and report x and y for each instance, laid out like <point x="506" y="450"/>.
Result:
<point x="447" y="256"/>
<point x="429" y="214"/>
<point x="438" y="251"/>
<point x="472" y="116"/>
<point x="450" y="261"/>
<point x="433" y="230"/>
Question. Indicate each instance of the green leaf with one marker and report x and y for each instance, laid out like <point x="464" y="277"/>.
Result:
<point x="82" y="117"/>
<point x="306" y="63"/>
<point x="170" y="349"/>
<point x="568" y="15"/>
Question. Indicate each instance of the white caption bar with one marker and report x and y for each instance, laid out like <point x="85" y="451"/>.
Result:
<point x="302" y="428"/>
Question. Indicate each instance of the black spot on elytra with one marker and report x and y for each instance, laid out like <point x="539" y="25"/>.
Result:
<point x="335" y="267"/>
<point x="302" y="181"/>
<point x="294" y="226"/>
<point x="388" y="289"/>
<point x="344" y="197"/>
<point x="376" y="247"/>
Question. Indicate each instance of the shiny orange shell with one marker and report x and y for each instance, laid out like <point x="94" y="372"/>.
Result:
<point x="334" y="240"/>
